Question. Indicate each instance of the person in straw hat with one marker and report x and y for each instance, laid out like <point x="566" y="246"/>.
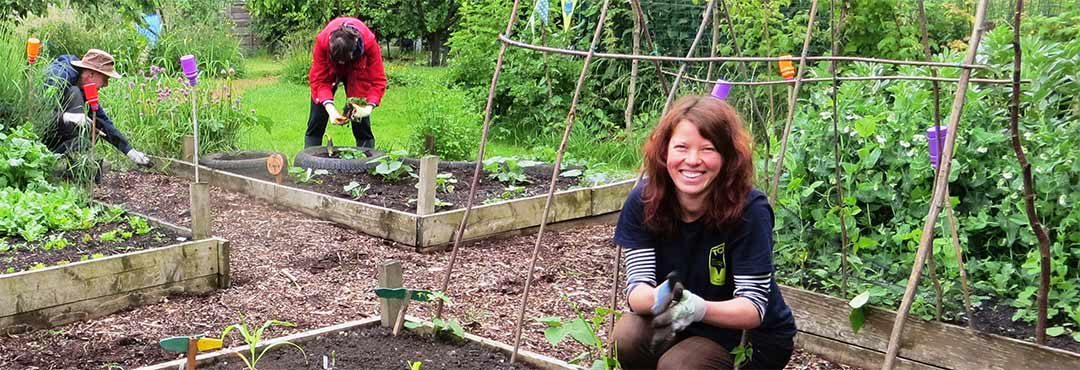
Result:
<point x="67" y="74"/>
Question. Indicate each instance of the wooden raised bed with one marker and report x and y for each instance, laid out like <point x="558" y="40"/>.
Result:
<point x="536" y="360"/>
<point x="84" y="290"/>
<point x="824" y="330"/>
<point x="421" y="231"/>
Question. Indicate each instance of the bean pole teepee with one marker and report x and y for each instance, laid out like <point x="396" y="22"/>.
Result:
<point x="940" y="191"/>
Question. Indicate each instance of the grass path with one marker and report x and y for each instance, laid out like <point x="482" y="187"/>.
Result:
<point x="286" y="106"/>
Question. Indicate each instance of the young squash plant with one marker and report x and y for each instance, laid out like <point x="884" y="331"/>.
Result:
<point x="584" y="330"/>
<point x="391" y="167"/>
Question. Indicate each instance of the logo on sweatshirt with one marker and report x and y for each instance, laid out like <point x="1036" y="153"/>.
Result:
<point x="717" y="265"/>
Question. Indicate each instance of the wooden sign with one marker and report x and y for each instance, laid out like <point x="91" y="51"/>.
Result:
<point x="191" y="346"/>
<point x="275" y="164"/>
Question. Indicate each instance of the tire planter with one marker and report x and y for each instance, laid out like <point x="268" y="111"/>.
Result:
<point x="245" y="163"/>
<point x="316" y="158"/>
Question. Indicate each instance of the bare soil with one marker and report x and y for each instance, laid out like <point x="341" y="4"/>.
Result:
<point x="81" y="244"/>
<point x="288" y="266"/>
<point x="401" y="194"/>
<point x="376" y="349"/>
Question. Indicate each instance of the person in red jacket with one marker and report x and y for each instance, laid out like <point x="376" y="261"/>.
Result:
<point x="345" y="53"/>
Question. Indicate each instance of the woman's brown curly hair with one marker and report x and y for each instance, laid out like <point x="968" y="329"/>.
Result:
<point x="720" y="124"/>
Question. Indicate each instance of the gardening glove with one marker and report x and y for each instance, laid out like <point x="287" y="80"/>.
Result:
<point x="689" y="309"/>
<point x="78" y="119"/>
<point x="362" y="111"/>
<point x="335" y="117"/>
<point x="138" y="157"/>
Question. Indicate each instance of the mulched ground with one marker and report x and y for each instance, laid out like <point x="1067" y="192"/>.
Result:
<point x="376" y="349"/>
<point x="80" y="245"/>
<point x="397" y="194"/>
<point x="288" y="266"/>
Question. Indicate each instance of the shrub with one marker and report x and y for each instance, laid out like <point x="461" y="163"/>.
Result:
<point x="297" y="65"/>
<point x="448" y="123"/>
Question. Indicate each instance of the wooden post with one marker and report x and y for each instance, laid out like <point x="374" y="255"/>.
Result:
<point x="200" y="210"/>
<point x="425" y="197"/>
<point x="192" y="350"/>
<point x="400" y="320"/>
<point x="391" y="275"/>
<point x="188" y="154"/>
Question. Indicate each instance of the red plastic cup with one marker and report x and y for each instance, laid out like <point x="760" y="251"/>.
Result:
<point x="90" y="92"/>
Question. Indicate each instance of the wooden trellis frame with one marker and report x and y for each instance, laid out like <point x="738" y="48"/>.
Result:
<point x="940" y="184"/>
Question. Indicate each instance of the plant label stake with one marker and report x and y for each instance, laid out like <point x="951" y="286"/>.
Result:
<point x="191" y="346"/>
<point x="90" y="92"/>
<point x="405" y="295"/>
<point x="721" y="90"/>
<point x="275" y="163"/>
<point x="33" y="48"/>
<point x="191" y="71"/>
<point x="787" y="69"/>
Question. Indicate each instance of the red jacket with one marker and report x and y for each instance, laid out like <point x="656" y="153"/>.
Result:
<point x="364" y="77"/>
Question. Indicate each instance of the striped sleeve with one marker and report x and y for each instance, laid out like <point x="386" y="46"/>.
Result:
<point x="756" y="289"/>
<point x="640" y="267"/>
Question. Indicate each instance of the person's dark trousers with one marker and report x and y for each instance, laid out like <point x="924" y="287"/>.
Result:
<point x="316" y="128"/>
<point x="633" y="334"/>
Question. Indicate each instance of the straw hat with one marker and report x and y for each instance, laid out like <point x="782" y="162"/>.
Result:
<point x="98" y="60"/>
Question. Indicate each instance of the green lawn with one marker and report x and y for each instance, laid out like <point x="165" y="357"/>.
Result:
<point x="287" y="106"/>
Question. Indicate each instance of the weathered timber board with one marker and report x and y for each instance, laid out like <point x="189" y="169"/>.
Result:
<point x="66" y="293"/>
<point x="537" y="360"/>
<point x="372" y="220"/>
<point x="849" y="354"/>
<point x="610" y="198"/>
<point x="943" y="345"/>
<point x="103" y="306"/>
<point x="439" y="228"/>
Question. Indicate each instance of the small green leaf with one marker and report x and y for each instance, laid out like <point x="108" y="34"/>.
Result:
<point x="860" y="300"/>
<point x="857" y="319"/>
<point x="581" y="332"/>
<point x="1055" y="331"/>
<point x="555" y="334"/>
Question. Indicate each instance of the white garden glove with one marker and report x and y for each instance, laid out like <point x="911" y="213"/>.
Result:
<point x="688" y="310"/>
<point x="78" y="119"/>
<point x="138" y="157"/>
<point x="363" y="111"/>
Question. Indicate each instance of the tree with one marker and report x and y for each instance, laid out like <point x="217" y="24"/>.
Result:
<point x="430" y="20"/>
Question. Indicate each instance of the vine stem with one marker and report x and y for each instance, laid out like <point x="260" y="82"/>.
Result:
<point x="689" y="53"/>
<point x="939" y="190"/>
<point x="793" y="97"/>
<point x="479" y="158"/>
<point x="1029" y="182"/>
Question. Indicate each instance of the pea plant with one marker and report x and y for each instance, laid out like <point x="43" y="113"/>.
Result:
<point x="391" y="167"/>
<point x="450" y="326"/>
<point x="253" y="338"/>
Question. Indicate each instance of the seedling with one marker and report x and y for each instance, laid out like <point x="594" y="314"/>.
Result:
<point x="391" y="167"/>
<point x="304" y="176"/>
<point x="584" y="331"/>
<point x="55" y="242"/>
<point x="254" y="338"/>
<point x="415" y="365"/>
<point x="109" y="236"/>
<point x="350" y="153"/>
<point x="139" y="225"/>
<point x="742" y="354"/>
<point x="356" y="190"/>
<point x="444" y="182"/>
<point x="441" y="326"/>
<point x="508" y="170"/>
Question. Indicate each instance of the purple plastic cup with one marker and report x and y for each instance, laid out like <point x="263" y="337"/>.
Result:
<point x="933" y="134"/>
<point x="191" y="69"/>
<point x="721" y="90"/>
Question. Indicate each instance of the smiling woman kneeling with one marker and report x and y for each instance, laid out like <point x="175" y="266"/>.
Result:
<point x="697" y="215"/>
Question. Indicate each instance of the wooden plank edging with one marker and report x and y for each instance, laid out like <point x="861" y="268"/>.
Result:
<point x="540" y="361"/>
<point x="57" y="295"/>
<point x="409" y="228"/>
<point x="938" y="344"/>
